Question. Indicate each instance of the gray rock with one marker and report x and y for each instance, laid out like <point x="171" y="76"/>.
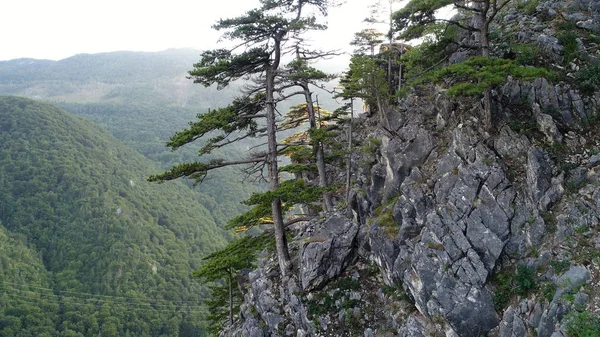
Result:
<point x="581" y="299"/>
<point x="413" y="328"/>
<point x="536" y="315"/>
<point x="570" y="281"/>
<point x="575" y="16"/>
<point x="400" y="156"/>
<point x="328" y="253"/>
<point x="589" y="25"/>
<point x="547" y="125"/>
<point x="594" y="160"/>
<point x="523" y="36"/>
<point x="577" y="176"/>
<point x="549" y="43"/>
<point x="512" y="325"/>
<point x="545" y="189"/>
<point x="378" y="178"/>
<point x="550" y="317"/>
<point x="509" y="144"/>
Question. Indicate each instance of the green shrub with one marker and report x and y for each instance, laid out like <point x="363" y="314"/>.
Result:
<point x="568" y="39"/>
<point x="528" y="7"/>
<point x="588" y="80"/>
<point x="560" y="266"/>
<point x="525" y="279"/>
<point x="528" y="54"/>
<point x="582" y="324"/>
<point x="519" y="282"/>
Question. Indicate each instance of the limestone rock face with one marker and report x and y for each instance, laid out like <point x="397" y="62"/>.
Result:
<point x="328" y="252"/>
<point x="443" y="214"/>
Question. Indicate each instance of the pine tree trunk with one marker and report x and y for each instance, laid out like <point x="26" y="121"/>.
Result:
<point x="283" y="255"/>
<point x="318" y="146"/>
<point x="349" y="158"/>
<point x="230" y="299"/>
<point x="481" y="22"/>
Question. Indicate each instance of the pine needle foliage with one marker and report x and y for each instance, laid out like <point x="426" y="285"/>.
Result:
<point x="220" y="269"/>
<point x="477" y="74"/>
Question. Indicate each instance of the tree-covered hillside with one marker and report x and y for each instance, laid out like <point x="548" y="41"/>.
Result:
<point x="119" y="251"/>
<point x="23" y="312"/>
<point x="141" y="98"/>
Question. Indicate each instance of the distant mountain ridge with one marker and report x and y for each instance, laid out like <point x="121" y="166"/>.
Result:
<point x="102" y="66"/>
<point x="117" y="77"/>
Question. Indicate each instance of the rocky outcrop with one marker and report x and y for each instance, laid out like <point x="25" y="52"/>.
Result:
<point x="455" y="230"/>
<point x="327" y="252"/>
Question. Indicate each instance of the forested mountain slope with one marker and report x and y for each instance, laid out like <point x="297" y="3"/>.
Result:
<point x="141" y="98"/>
<point x="118" y="252"/>
<point x="23" y="312"/>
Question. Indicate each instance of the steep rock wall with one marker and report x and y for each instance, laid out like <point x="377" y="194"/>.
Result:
<point x="455" y="230"/>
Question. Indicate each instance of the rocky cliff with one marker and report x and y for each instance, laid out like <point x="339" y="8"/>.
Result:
<point x="455" y="230"/>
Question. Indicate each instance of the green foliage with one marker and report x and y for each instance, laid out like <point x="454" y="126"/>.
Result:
<point x="366" y="79"/>
<point x="560" y="266"/>
<point x="24" y="310"/>
<point x="427" y="55"/>
<point x="324" y="302"/>
<point x="582" y="324"/>
<point x="142" y="99"/>
<point x="321" y="135"/>
<point x="528" y="6"/>
<point x="78" y="198"/>
<point x="519" y="282"/>
<point x="525" y="279"/>
<point x="234" y="118"/>
<point x="387" y="221"/>
<point x="237" y="255"/>
<point x="476" y="74"/>
<point x="221" y="267"/>
<point x="300" y="70"/>
<point x="547" y="290"/>
<point x="299" y="153"/>
<point x="222" y="67"/>
<point x="298" y="168"/>
<point x="371" y="146"/>
<point x="588" y="79"/>
<point x="218" y="306"/>
<point x="413" y="19"/>
<point x="291" y="192"/>
<point x="366" y="40"/>
<point x="256" y="216"/>
<point x="528" y="54"/>
<point x="525" y="127"/>
<point x="568" y="39"/>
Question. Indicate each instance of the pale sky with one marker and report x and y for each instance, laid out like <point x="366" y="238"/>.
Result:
<point x="57" y="29"/>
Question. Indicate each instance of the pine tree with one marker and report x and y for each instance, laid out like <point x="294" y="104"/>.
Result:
<point x="220" y="269"/>
<point x="480" y="74"/>
<point x="302" y="75"/>
<point x="366" y="40"/>
<point x="262" y="34"/>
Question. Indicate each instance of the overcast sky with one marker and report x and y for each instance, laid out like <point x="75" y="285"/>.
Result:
<point x="57" y="29"/>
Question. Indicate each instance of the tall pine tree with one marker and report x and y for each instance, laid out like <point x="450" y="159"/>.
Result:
<point x="261" y="35"/>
